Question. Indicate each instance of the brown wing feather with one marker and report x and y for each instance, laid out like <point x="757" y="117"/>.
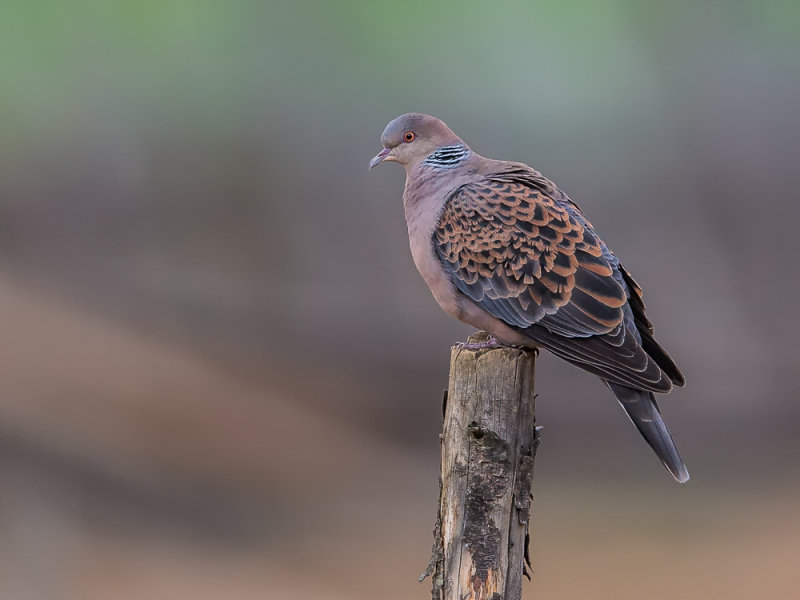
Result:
<point x="511" y="243"/>
<point x="521" y="250"/>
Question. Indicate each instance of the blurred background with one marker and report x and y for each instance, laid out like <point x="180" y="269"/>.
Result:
<point x="221" y="375"/>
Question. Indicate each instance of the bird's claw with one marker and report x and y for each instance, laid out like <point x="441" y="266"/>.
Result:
<point x="489" y="344"/>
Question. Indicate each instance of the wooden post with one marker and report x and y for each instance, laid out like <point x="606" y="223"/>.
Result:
<point x="488" y="447"/>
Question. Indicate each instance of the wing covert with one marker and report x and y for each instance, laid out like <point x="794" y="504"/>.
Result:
<point x="528" y="258"/>
<point x="520" y="249"/>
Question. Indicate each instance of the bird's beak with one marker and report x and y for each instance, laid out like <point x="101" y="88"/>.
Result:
<point x="379" y="157"/>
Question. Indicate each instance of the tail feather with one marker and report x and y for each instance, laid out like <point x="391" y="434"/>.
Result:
<point x="642" y="410"/>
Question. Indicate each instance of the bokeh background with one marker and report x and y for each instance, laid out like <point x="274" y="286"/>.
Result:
<point x="220" y="374"/>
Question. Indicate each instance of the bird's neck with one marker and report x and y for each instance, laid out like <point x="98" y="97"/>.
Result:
<point x="447" y="157"/>
<point x="428" y="186"/>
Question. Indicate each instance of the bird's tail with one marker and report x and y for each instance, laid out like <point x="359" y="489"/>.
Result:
<point x="643" y="411"/>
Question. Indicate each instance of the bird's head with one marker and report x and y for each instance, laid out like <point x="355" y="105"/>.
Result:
<point x="410" y="138"/>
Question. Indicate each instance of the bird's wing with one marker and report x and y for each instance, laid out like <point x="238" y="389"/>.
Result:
<point x="645" y="330"/>
<point x="521" y="250"/>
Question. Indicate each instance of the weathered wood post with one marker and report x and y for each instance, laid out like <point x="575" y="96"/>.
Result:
<point x="488" y="447"/>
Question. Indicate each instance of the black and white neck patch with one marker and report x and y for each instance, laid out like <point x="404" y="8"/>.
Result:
<point x="447" y="156"/>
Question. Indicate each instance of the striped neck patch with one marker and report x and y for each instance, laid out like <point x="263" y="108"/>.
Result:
<point x="447" y="156"/>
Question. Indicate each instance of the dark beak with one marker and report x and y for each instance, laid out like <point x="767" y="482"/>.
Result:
<point x="379" y="157"/>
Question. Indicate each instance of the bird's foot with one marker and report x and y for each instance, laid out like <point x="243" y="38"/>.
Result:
<point x="490" y="343"/>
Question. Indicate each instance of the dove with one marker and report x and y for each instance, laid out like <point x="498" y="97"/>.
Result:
<point x="503" y="249"/>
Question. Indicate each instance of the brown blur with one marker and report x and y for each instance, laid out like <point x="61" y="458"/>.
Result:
<point x="222" y="376"/>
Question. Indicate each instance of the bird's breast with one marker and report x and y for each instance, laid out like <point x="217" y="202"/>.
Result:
<point x="422" y="215"/>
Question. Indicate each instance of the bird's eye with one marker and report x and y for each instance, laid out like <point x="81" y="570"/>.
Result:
<point x="409" y="136"/>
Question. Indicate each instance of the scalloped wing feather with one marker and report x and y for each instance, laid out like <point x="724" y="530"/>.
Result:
<point x="522" y="250"/>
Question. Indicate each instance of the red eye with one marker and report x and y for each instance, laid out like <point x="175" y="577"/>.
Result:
<point x="409" y="136"/>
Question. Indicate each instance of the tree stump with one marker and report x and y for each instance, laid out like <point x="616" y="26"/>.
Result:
<point x="488" y="447"/>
